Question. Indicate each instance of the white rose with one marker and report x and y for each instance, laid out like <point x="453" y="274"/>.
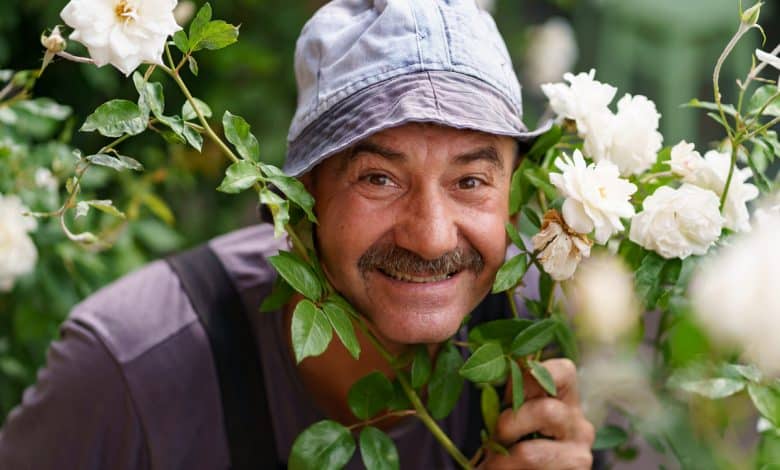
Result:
<point x="123" y="33"/>
<point x="560" y="250"/>
<point x="17" y="251"/>
<point x="552" y="51"/>
<point x="736" y="299"/>
<point x="685" y="160"/>
<point x="596" y="196"/>
<point x="581" y="100"/>
<point x="604" y="305"/>
<point x="677" y="223"/>
<point x="635" y="140"/>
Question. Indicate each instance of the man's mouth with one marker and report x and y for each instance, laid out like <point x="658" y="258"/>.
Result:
<point x="416" y="277"/>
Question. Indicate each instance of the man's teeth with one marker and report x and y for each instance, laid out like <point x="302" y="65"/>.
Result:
<point x="406" y="277"/>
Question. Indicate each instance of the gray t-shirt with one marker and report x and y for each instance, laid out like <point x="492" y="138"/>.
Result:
<point x="131" y="383"/>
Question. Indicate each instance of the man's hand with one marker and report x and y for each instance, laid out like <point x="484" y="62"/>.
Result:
<point x="569" y="436"/>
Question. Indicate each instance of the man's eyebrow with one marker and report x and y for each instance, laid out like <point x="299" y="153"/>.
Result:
<point x="488" y="154"/>
<point x="369" y="147"/>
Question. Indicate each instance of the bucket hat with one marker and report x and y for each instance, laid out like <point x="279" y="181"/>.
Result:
<point x="363" y="66"/>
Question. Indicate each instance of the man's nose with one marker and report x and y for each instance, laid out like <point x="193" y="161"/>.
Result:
<point x="428" y="224"/>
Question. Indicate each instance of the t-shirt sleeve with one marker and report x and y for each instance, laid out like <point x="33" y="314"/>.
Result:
<point x="79" y="414"/>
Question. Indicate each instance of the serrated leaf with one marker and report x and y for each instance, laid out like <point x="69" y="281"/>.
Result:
<point x="292" y="188"/>
<point x="106" y="206"/>
<point x="378" y="450"/>
<point x="514" y="236"/>
<point x="609" y="436"/>
<point x="326" y="444"/>
<point x="518" y="393"/>
<point x="491" y="407"/>
<point x="446" y="383"/>
<point x="279" y="296"/>
<point x="188" y="111"/>
<point x="421" y="367"/>
<point x="502" y="331"/>
<point x="298" y="274"/>
<point x="214" y="35"/>
<point x="239" y="134"/>
<point x="534" y="338"/>
<point x="511" y="273"/>
<point x="115" y="119"/>
<point x="199" y="22"/>
<point x="342" y="324"/>
<point x="239" y="176"/>
<point x="369" y="395"/>
<point x="181" y="41"/>
<point x="542" y="375"/>
<point x="311" y="332"/>
<point x="487" y="364"/>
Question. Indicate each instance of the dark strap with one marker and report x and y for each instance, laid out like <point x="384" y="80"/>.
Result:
<point x="242" y="388"/>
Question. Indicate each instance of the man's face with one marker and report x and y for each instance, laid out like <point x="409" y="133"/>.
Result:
<point x="411" y="225"/>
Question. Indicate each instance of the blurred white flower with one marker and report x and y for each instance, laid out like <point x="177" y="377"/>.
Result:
<point x="560" y="249"/>
<point x="767" y="210"/>
<point x="710" y="172"/>
<point x="123" y="33"/>
<point x="184" y="11"/>
<point x="603" y="302"/>
<point x="677" y="223"/>
<point x="768" y="58"/>
<point x="736" y="297"/>
<point x="44" y="179"/>
<point x="634" y="140"/>
<point x="585" y="100"/>
<point x="596" y="196"/>
<point x="552" y="51"/>
<point x="17" y="251"/>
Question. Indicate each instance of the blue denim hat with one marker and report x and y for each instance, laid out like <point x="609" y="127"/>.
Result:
<point x="367" y="65"/>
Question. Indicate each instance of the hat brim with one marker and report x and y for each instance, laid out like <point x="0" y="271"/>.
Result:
<point x="447" y="98"/>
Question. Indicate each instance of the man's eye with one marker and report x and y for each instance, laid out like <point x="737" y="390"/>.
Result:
<point x="377" y="179"/>
<point x="469" y="183"/>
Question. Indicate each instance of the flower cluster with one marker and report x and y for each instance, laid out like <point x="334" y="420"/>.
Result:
<point x="18" y="254"/>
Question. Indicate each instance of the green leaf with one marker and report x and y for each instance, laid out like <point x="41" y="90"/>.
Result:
<point x="446" y="383"/>
<point x="280" y="210"/>
<point x="298" y="274"/>
<point x="115" y="119"/>
<point x="188" y="111"/>
<point x="648" y="279"/>
<point x="511" y="273"/>
<point x="517" y="191"/>
<point x="370" y="395"/>
<point x="518" y="394"/>
<point x="193" y="64"/>
<point x="542" y="375"/>
<point x="311" y="332"/>
<point x="765" y="95"/>
<point x="534" y="338"/>
<point x="238" y="133"/>
<point x="214" y="35"/>
<point x="378" y="450"/>
<point x="514" y="236"/>
<point x="539" y="178"/>
<point x="532" y="217"/>
<point x="119" y="164"/>
<point x="342" y="324"/>
<point x="714" y="389"/>
<point x="487" y="364"/>
<point x="567" y="341"/>
<point x="292" y="188"/>
<point x="199" y="23"/>
<point x="491" y="407"/>
<point x="421" y="366"/>
<point x="767" y="402"/>
<point x="158" y="207"/>
<point x="193" y="138"/>
<point x="280" y="295"/>
<point x="727" y="108"/>
<point x="181" y="42"/>
<point x="326" y="444"/>
<point x="239" y="176"/>
<point x="150" y="96"/>
<point x="544" y="143"/>
<point x="399" y="401"/>
<point x="130" y="163"/>
<point x="107" y="206"/>
<point x="502" y="331"/>
<point x="609" y="437"/>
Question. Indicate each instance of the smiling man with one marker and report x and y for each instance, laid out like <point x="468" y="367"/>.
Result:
<point x="406" y="133"/>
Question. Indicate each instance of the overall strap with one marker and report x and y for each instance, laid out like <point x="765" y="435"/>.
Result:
<point x="239" y="370"/>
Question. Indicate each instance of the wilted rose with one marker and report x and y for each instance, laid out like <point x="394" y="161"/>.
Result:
<point x="560" y="248"/>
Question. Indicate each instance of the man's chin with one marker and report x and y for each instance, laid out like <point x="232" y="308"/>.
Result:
<point x="418" y="328"/>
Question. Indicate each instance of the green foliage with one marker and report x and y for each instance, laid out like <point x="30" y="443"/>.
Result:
<point x="446" y="383"/>
<point x="502" y="331"/>
<point x="115" y="119"/>
<point x="326" y="444"/>
<point x="534" y="338"/>
<point x="311" y="332"/>
<point x="238" y="133"/>
<point x="518" y="393"/>
<point x="421" y="367"/>
<point x="610" y="436"/>
<point x="208" y="34"/>
<point x="486" y="364"/>
<point x="298" y="274"/>
<point x="342" y="325"/>
<point x="490" y="405"/>
<point x="370" y="395"/>
<point x="511" y="273"/>
<point x="378" y="450"/>
<point x="542" y="375"/>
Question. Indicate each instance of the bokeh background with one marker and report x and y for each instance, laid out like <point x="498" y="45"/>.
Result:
<point x="664" y="49"/>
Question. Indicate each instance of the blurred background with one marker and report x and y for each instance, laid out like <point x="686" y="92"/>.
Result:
<point x="664" y="49"/>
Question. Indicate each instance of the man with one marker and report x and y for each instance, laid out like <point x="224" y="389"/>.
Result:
<point x="406" y="134"/>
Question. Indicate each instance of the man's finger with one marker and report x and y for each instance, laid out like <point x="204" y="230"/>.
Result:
<point x="542" y="454"/>
<point x="548" y="416"/>
<point x="564" y="374"/>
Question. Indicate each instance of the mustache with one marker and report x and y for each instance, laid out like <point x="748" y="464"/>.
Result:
<point x="393" y="258"/>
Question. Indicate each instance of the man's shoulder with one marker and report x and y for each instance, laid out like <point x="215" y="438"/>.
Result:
<point x="148" y="307"/>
